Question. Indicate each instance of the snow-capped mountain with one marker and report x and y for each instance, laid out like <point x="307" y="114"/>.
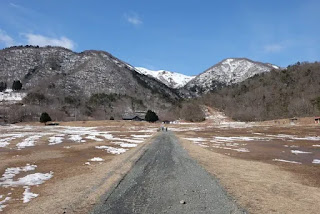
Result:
<point x="226" y="72"/>
<point x="171" y="79"/>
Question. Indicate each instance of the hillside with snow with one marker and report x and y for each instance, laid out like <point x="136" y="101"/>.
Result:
<point x="226" y="72"/>
<point x="171" y="79"/>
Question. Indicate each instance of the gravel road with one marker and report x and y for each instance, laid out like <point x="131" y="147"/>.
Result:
<point x="166" y="180"/>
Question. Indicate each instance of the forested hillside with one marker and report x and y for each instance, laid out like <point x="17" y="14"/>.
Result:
<point x="291" y="92"/>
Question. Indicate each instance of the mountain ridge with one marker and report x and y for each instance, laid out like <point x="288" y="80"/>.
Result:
<point x="172" y="79"/>
<point x="225" y="72"/>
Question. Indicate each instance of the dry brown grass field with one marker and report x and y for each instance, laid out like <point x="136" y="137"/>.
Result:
<point x="268" y="167"/>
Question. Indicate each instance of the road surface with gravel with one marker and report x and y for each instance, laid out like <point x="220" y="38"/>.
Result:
<point x="167" y="180"/>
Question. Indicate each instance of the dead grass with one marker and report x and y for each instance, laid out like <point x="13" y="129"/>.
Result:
<point x="74" y="187"/>
<point x="258" y="187"/>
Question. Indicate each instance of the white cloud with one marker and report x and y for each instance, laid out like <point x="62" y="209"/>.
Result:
<point x="36" y="39"/>
<point x="134" y="19"/>
<point x="273" y="48"/>
<point x="6" y="39"/>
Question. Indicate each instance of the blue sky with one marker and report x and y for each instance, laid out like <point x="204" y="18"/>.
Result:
<point x="182" y="36"/>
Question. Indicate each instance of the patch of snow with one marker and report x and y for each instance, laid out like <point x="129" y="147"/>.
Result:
<point x="294" y="137"/>
<point x="56" y="139"/>
<point x="112" y="150"/>
<point x="299" y="152"/>
<point x="76" y="138"/>
<point x="28" y="142"/>
<point x="317" y="145"/>
<point x="241" y="150"/>
<point x="2" y="205"/>
<point x="11" y="97"/>
<point x="198" y="139"/>
<point x="286" y="161"/>
<point x="29" y="180"/>
<point x="11" y="172"/>
<point x="126" y="145"/>
<point x="28" y="195"/>
<point x="93" y="137"/>
<point x="96" y="159"/>
<point x="140" y="136"/>
<point x="107" y="136"/>
<point x="316" y="161"/>
<point x="87" y="163"/>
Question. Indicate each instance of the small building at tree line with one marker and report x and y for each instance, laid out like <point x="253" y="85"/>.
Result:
<point x="135" y="116"/>
<point x="317" y="120"/>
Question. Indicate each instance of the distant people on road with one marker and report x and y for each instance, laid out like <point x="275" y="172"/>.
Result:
<point x="163" y="129"/>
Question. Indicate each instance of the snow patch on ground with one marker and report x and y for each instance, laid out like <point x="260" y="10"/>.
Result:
<point x="56" y="139"/>
<point x="198" y="139"/>
<point x="125" y="145"/>
<point x="28" y="142"/>
<point x="7" y="180"/>
<point x="96" y="159"/>
<point x="76" y="138"/>
<point x="28" y="195"/>
<point x="316" y="161"/>
<point x="299" y="152"/>
<point x="11" y="97"/>
<point x="112" y="150"/>
<point x="93" y="137"/>
<point x="140" y="136"/>
<point x="286" y="161"/>
<point x="2" y="205"/>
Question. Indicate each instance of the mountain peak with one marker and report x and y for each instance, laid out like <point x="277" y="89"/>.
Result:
<point x="227" y="72"/>
<point x="169" y="78"/>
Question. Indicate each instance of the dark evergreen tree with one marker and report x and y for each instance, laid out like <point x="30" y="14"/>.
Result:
<point x="16" y="85"/>
<point x="45" y="117"/>
<point x="3" y="86"/>
<point x="151" y="116"/>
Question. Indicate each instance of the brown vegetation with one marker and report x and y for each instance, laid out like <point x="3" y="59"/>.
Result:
<point x="291" y="92"/>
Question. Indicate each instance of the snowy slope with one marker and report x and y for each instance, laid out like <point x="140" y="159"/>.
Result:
<point x="9" y="96"/>
<point x="227" y="72"/>
<point x="171" y="79"/>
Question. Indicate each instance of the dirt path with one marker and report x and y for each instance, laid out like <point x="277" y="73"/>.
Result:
<point x="167" y="180"/>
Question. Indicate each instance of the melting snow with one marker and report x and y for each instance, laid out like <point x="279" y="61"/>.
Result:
<point x="55" y="140"/>
<point x="76" y="138"/>
<point x="112" y="150"/>
<point x="29" y="180"/>
<point x="93" y="137"/>
<point x="286" y="161"/>
<point x="316" y="161"/>
<point x="96" y="159"/>
<point x="198" y="139"/>
<point x="125" y="145"/>
<point x="28" y="142"/>
<point x="299" y="152"/>
<point x="140" y="136"/>
<point x="27" y="195"/>
<point x="2" y="203"/>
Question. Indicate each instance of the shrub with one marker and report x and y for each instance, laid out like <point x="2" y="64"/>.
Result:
<point x="151" y="116"/>
<point x="45" y="117"/>
<point x="3" y="86"/>
<point x="16" y="85"/>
